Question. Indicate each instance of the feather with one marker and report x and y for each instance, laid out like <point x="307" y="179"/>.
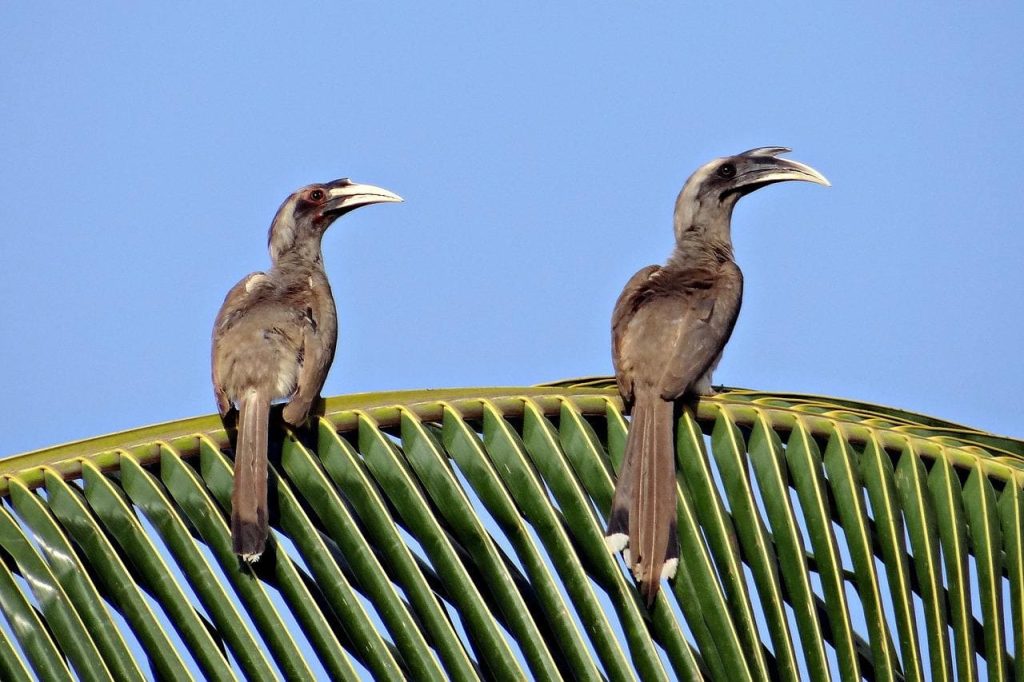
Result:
<point x="249" y="523"/>
<point x="653" y="512"/>
<point x="644" y="505"/>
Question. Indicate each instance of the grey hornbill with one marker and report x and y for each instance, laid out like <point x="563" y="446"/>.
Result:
<point x="669" y="327"/>
<point x="274" y="338"/>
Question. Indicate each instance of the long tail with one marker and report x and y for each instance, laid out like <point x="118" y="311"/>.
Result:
<point x="644" y="506"/>
<point x="249" y="496"/>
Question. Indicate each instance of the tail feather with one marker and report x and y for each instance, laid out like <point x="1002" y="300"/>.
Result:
<point x="617" y="535"/>
<point x="644" y="505"/>
<point x="249" y="525"/>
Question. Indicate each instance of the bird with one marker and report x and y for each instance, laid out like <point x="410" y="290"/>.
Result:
<point x="669" y="327"/>
<point x="274" y="339"/>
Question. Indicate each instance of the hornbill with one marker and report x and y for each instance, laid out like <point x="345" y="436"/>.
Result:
<point x="274" y="338"/>
<point x="669" y="327"/>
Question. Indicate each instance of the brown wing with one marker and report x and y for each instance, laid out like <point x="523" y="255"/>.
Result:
<point x="229" y="313"/>
<point x="629" y="301"/>
<point x="319" y="339"/>
<point x="704" y="328"/>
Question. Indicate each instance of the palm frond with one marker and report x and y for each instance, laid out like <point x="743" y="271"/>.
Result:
<point x="457" y="533"/>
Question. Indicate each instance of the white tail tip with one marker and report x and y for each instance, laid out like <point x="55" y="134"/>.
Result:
<point x="251" y="558"/>
<point x="616" y="542"/>
<point x="668" y="570"/>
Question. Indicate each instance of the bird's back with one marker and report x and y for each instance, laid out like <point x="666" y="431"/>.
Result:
<point x="258" y="334"/>
<point x="672" y="324"/>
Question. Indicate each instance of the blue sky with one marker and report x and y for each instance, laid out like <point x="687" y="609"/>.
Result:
<point x="539" y="150"/>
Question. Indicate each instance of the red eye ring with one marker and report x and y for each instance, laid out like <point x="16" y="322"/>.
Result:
<point x="317" y="195"/>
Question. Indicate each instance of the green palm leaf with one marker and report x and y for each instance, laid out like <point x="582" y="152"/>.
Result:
<point x="458" y="534"/>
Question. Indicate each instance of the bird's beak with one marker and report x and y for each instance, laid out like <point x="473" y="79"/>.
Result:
<point x="344" y="195"/>
<point x="766" y="170"/>
<point x="780" y="170"/>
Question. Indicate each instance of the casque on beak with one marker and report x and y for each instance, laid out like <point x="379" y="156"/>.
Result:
<point x="344" y="195"/>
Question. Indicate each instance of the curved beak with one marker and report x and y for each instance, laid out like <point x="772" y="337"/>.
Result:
<point x="344" y="195"/>
<point x="780" y="170"/>
<point x="765" y="168"/>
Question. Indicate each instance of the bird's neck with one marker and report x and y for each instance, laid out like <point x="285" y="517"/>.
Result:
<point x="303" y="255"/>
<point x="701" y="246"/>
<point x="703" y="228"/>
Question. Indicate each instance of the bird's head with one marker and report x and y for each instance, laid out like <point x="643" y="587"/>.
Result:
<point x="709" y="196"/>
<point x="307" y="213"/>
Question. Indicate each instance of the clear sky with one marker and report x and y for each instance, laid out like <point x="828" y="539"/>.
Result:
<point x="144" y="150"/>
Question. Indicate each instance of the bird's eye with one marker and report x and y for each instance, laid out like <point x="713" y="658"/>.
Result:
<point x="317" y="195"/>
<point x="727" y="171"/>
